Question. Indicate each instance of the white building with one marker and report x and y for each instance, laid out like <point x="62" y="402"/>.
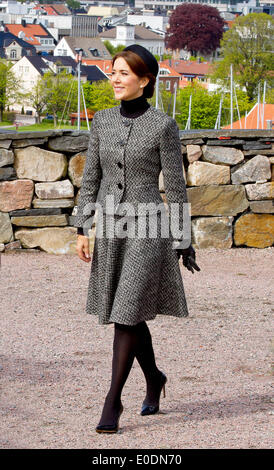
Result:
<point x="153" y="21"/>
<point x="128" y="34"/>
<point x="14" y="7"/>
<point x="28" y="70"/>
<point x="221" y="5"/>
<point x="93" y="48"/>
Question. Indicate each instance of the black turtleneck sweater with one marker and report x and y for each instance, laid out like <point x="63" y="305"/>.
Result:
<point x="130" y="109"/>
<point x="134" y="108"/>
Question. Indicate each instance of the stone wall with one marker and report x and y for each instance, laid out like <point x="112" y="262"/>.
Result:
<point x="229" y="175"/>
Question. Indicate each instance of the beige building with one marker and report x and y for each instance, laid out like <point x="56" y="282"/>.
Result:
<point x="103" y="11"/>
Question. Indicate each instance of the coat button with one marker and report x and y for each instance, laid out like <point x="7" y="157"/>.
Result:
<point x="126" y="123"/>
<point x="120" y="186"/>
<point x="122" y="143"/>
<point x="119" y="164"/>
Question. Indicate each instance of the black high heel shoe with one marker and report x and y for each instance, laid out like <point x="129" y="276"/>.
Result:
<point x="110" y="428"/>
<point x="152" y="409"/>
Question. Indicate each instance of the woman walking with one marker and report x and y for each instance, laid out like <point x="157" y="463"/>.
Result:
<point x="132" y="279"/>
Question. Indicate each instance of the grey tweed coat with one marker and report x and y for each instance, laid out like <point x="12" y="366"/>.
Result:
<point x="132" y="279"/>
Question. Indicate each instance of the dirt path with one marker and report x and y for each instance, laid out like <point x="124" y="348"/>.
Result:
<point x="55" y="360"/>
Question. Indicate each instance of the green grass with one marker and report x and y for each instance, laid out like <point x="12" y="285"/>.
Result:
<point x="5" y="123"/>
<point x="44" y="127"/>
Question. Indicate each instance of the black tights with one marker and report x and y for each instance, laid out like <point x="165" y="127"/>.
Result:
<point x="130" y="342"/>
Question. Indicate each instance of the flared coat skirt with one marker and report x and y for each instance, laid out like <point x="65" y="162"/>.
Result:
<point x="134" y="278"/>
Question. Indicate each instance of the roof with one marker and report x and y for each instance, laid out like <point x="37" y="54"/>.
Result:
<point x="251" y="118"/>
<point x="38" y="63"/>
<point x="172" y="72"/>
<point x="64" y="59"/>
<point x="54" y="9"/>
<point x="104" y="65"/>
<point x="45" y="8"/>
<point x="93" y="73"/>
<point x="60" y="8"/>
<point x="6" y="38"/>
<point x="140" y="32"/>
<point x="31" y="31"/>
<point x="188" y="67"/>
<point x="86" y="44"/>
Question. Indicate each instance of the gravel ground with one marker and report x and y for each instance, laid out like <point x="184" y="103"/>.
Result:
<point x="55" y="360"/>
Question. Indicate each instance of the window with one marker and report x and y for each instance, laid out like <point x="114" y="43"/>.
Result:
<point x="168" y="85"/>
<point x="13" y="54"/>
<point x="94" y="52"/>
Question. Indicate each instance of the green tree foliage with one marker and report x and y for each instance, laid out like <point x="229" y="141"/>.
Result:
<point x="248" y="47"/>
<point x="164" y="57"/>
<point x="73" y="4"/>
<point x="60" y="93"/>
<point x="205" y="105"/>
<point x="99" y="95"/>
<point x="38" y="98"/>
<point x="204" y="108"/>
<point x="9" y="86"/>
<point x="112" y="49"/>
<point x="165" y="99"/>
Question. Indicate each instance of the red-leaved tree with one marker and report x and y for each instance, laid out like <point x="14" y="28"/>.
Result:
<point x="196" y="28"/>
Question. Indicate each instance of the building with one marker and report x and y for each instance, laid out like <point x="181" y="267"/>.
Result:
<point x="92" y="47"/>
<point x="128" y="34"/>
<point x="84" y="26"/>
<point x="53" y="9"/>
<point x="105" y="65"/>
<point x="169" y="77"/>
<point x="35" y="34"/>
<point x="191" y="71"/>
<point x="155" y="22"/>
<point x="221" y="5"/>
<point x="13" y="48"/>
<point x="104" y="10"/>
<point x="30" y="69"/>
<point x="91" y="72"/>
<point x="255" y="119"/>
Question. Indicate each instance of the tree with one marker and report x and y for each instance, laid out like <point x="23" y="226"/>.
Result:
<point x="38" y="98"/>
<point x="205" y="106"/>
<point x="196" y="28"/>
<point x="60" y="90"/>
<point x="248" y="47"/>
<point x="9" y="86"/>
<point x="112" y="49"/>
<point x="99" y="95"/>
<point x="73" y="4"/>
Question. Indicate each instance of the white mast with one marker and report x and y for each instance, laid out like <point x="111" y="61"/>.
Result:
<point x="218" y="120"/>
<point x="231" y="97"/>
<point x="258" y="107"/>
<point x="263" y="104"/>
<point x="174" y="101"/>
<point x="157" y="91"/>
<point x="188" y="123"/>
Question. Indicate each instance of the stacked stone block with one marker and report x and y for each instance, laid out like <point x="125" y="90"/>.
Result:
<point x="229" y="176"/>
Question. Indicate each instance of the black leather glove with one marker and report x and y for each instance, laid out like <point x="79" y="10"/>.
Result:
<point x="188" y="255"/>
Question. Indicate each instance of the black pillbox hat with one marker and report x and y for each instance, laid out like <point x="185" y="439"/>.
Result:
<point x="147" y="57"/>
